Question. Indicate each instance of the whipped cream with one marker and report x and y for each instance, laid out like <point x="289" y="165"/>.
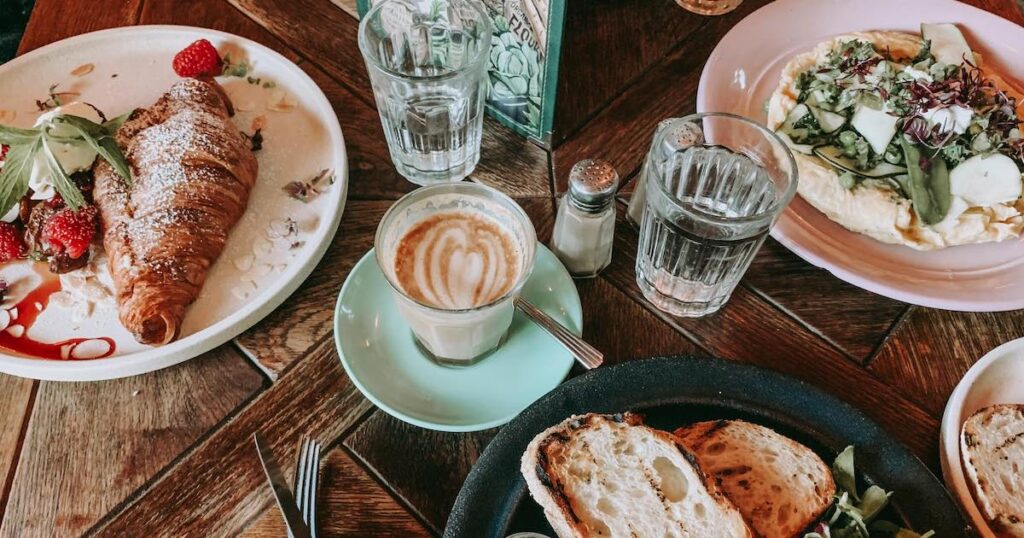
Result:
<point x="86" y="289"/>
<point x="73" y="157"/>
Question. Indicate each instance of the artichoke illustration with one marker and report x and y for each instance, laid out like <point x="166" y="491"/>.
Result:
<point x="515" y="76"/>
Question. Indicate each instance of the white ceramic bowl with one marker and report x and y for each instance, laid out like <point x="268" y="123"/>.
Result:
<point x="997" y="378"/>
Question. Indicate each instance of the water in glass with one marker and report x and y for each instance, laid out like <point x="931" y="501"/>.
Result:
<point x="708" y="210"/>
<point x="427" y="63"/>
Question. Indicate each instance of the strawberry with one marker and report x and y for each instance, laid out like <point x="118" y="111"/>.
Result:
<point x="198" y="60"/>
<point x="56" y="202"/>
<point x="71" y="231"/>
<point x="11" y="246"/>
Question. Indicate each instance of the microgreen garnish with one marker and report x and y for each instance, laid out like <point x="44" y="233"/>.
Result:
<point x="26" y="144"/>
<point x="257" y="81"/>
<point x="304" y="191"/>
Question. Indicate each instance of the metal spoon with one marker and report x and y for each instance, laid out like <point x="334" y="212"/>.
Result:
<point x="584" y="353"/>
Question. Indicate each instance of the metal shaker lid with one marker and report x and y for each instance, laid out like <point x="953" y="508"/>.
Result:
<point x="593" y="184"/>
<point x="677" y="135"/>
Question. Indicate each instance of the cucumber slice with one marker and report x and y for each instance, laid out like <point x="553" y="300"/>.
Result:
<point x="948" y="43"/>
<point x="798" y="112"/>
<point x="830" y="121"/>
<point x="986" y="180"/>
<point x="835" y="157"/>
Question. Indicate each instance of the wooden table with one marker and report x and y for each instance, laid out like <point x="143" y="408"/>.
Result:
<point x="169" y="453"/>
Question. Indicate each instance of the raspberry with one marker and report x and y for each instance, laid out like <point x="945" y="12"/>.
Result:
<point x="56" y="202"/>
<point x="71" y="231"/>
<point x="11" y="246"/>
<point x="3" y="151"/>
<point x="197" y="60"/>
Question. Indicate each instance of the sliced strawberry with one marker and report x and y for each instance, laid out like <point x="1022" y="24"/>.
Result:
<point x="200" y="59"/>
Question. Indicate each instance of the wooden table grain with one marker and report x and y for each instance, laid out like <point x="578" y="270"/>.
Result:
<point x="168" y="453"/>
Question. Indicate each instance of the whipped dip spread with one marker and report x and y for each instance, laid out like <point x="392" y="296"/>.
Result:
<point x="457" y="260"/>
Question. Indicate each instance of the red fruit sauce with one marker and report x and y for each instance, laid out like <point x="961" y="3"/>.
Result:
<point x="27" y="314"/>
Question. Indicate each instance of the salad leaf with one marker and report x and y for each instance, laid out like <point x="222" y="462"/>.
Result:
<point x="842" y="472"/>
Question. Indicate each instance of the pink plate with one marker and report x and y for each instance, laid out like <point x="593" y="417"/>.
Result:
<point x="743" y="71"/>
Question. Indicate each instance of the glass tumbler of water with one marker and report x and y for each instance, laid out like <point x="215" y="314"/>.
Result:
<point x="709" y="7"/>
<point x="710" y="205"/>
<point x="427" y="61"/>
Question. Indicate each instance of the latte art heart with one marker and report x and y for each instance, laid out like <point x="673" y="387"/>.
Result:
<point x="457" y="260"/>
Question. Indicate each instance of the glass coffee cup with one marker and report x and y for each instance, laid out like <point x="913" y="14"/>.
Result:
<point x="455" y="256"/>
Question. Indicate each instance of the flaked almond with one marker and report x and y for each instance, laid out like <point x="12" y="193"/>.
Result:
<point x="5" y="319"/>
<point x="62" y="299"/>
<point x="244" y="289"/>
<point x="244" y="262"/>
<point x="281" y="101"/>
<point x="261" y="247"/>
<point x="14" y="313"/>
<point x="245" y="105"/>
<point x="7" y="116"/>
<point x="83" y="70"/>
<point x="65" y="351"/>
<point x="259" y="122"/>
<point x="263" y="269"/>
<point x="16" y="331"/>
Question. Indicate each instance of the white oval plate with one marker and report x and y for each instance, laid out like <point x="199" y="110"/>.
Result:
<point x="298" y="143"/>
<point x="997" y="378"/>
<point x="743" y="71"/>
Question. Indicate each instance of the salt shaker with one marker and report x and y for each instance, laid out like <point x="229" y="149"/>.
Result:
<point x="585" y="223"/>
<point x="675" y="135"/>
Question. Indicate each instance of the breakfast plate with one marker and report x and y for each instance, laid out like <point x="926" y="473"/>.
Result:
<point x="675" y="391"/>
<point x="997" y="378"/>
<point x="383" y="360"/>
<point x="274" y="246"/>
<point x="744" y="70"/>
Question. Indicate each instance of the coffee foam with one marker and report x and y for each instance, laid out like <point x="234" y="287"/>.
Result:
<point x="457" y="260"/>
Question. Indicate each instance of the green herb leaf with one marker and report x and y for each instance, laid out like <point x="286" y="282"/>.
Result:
<point x="64" y="185"/>
<point x="110" y="127"/>
<point x="15" y="173"/>
<point x="98" y="138"/>
<point x="15" y="136"/>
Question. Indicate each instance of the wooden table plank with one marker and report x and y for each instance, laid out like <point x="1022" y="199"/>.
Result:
<point x="351" y="503"/>
<point x="854" y="320"/>
<point x="90" y="445"/>
<point x="585" y="82"/>
<point x="932" y="349"/>
<point x="54" y="20"/>
<point x="219" y="488"/>
<point x="215" y="14"/>
<point x="426" y="468"/>
<point x="16" y="399"/>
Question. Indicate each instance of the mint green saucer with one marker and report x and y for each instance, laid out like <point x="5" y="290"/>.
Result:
<point x="380" y="356"/>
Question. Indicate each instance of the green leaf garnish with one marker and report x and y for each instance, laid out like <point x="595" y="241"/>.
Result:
<point x="15" y="173"/>
<point x="16" y="136"/>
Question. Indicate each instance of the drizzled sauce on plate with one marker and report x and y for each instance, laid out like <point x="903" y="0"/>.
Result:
<point x="29" y="309"/>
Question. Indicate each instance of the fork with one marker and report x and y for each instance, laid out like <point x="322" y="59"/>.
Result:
<point x="306" y="470"/>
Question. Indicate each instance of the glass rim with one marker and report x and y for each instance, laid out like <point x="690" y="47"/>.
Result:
<point x="530" y="244"/>
<point x="371" y="58"/>
<point x="776" y="207"/>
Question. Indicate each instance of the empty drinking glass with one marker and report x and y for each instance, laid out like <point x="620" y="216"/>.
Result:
<point x="710" y="204"/>
<point x="709" y="7"/>
<point x="427" y="61"/>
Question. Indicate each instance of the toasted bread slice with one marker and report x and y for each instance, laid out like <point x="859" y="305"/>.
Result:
<point x="992" y="448"/>
<point x="780" y="486"/>
<point x="609" y="475"/>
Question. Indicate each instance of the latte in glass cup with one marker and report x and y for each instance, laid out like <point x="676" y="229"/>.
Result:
<point x="456" y="255"/>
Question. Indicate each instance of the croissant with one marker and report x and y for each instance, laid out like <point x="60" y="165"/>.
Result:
<point x="192" y="171"/>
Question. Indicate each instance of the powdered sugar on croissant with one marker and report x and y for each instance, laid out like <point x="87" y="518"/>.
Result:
<point x="192" y="171"/>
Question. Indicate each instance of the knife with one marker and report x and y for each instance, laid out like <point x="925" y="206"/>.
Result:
<point x="285" y="500"/>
